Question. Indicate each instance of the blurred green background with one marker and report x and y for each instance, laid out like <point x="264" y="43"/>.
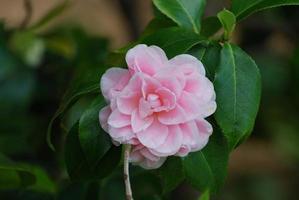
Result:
<point x="44" y="43"/>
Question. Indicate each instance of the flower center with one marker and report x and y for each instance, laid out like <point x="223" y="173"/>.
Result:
<point x="153" y="100"/>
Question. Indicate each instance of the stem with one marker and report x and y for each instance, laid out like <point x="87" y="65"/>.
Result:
<point x="126" y="173"/>
<point x="28" y="13"/>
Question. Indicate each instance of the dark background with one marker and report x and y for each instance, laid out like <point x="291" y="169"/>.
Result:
<point x="35" y="71"/>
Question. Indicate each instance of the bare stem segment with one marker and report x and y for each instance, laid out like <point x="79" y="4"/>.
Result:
<point x="129" y="195"/>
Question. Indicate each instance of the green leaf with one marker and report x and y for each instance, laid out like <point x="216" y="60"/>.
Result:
<point x="206" y="169"/>
<point x="13" y="175"/>
<point x="244" y="8"/>
<point x="43" y="181"/>
<point x="157" y="24"/>
<point x="56" y="11"/>
<point x="86" y="79"/>
<point x="209" y="55"/>
<point x="228" y="21"/>
<point x="205" y="195"/>
<point x="168" y="179"/>
<point x="173" y="40"/>
<point x="94" y="141"/>
<point x="238" y="89"/>
<point x="185" y="13"/>
<point x="77" y="165"/>
<point x="210" y="26"/>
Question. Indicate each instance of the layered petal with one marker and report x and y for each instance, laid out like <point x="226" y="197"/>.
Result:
<point x="140" y="155"/>
<point x="118" y="120"/>
<point x="172" y="143"/>
<point x="145" y="59"/>
<point x="138" y="123"/>
<point x="103" y="117"/>
<point x="172" y="117"/>
<point x="113" y="81"/>
<point x="188" y="64"/>
<point x="121" y="135"/>
<point x="154" y="136"/>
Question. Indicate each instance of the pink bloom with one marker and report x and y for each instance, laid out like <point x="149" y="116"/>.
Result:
<point x="157" y="105"/>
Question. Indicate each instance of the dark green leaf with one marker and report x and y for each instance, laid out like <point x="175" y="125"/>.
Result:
<point x="206" y="169"/>
<point x="185" y="13"/>
<point x="13" y="175"/>
<point x="173" y="40"/>
<point x="244" y="8"/>
<point x="238" y="89"/>
<point x="86" y="80"/>
<point x="77" y="166"/>
<point x="156" y="24"/>
<point x="210" y="26"/>
<point x="209" y="55"/>
<point x="228" y="21"/>
<point x="198" y="171"/>
<point x="166" y="172"/>
<point x="94" y="141"/>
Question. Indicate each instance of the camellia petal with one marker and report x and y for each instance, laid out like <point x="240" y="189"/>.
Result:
<point x="154" y="135"/>
<point x="114" y="80"/>
<point x="103" y="117"/>
<point x="138" y="123"/>
<point x="146" y="59"/>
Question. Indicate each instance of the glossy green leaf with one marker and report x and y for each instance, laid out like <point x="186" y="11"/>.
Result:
<point x="13" y="175"/>
<point x="157" y="24"/>
<point x="238" y="89"/>
<point x="244" y="8"/>
<point x="228" y="21"/>
<point x="206" y="169"/>
<point x="77" y="165"/>
<point x="86" y="81"/>
<point x="210" y="26"/>
<point x="185" y="13"/>
<point x="209" y="55"/>
<point x="94" y="141"/>
<point x="173" y="40"/>
<point x="168" y="179"/>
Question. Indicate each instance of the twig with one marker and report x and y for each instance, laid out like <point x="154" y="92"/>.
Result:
<point x="28" y="14"/>
<point x="129" y="195"/>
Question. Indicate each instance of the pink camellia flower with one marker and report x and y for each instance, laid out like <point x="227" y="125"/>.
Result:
<point x="157" y="105"/>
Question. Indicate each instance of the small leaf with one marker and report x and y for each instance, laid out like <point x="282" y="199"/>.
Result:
<point x="244" y="8"/>
<point x="94" y="141"/>
<point x="185" y="13"/>
<point x="238" y="89"/>
<point x="228" y="21"/>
